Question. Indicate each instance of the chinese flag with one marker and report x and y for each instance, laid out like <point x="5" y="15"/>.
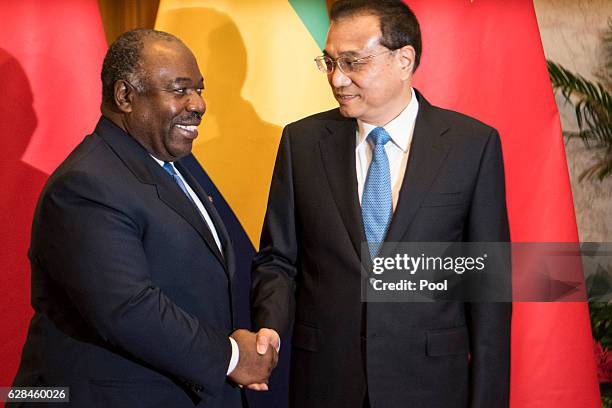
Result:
<point x="51" y="54"/>
<point x="485" y="58"/>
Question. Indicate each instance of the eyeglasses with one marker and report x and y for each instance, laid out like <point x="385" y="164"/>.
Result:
<point x="347" y="65"/>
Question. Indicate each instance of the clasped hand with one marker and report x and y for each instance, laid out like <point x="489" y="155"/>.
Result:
<point x="257" y="359"/>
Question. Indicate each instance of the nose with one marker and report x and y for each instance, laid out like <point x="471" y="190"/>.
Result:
<point x="196" y="103"/>
<point x="338" y="79"/>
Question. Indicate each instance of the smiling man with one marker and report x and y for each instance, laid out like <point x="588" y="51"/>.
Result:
<point x="132" y="267"/>
<point x="386" y="166"/>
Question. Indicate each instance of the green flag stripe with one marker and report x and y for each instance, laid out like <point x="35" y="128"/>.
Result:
<point x="313" y="14"/>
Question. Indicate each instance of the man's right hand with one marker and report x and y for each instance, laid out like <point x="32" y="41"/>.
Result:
<point x="252" y="367"/>
<point x="266" y="338"/>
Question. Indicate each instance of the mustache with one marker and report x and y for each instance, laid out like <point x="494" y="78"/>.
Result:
<point x="192" y="118"/>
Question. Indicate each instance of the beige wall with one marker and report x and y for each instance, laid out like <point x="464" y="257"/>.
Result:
<point x="571" y="33"/>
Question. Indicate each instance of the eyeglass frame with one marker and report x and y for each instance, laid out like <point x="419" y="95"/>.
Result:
<point x="336" y="64"/>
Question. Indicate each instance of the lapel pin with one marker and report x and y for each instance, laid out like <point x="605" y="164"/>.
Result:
<point x="210" y="199"/>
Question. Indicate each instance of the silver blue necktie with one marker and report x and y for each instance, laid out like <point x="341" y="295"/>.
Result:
<point x="377" y="199"/>
<point x="172" y="172"/>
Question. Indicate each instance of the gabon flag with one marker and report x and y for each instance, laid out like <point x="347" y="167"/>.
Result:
<point x="51" y="54"/>
<point x="480" y="57"/>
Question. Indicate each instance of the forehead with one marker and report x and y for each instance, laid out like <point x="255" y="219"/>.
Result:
<point x="350" y="35"/>
<point x="167" y="60"/>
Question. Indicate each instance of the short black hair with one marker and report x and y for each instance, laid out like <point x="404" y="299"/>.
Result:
<point x="398" y="24"/>
<point x="123" y="60"/>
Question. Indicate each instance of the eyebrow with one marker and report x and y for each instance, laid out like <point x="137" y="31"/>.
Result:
<point x="344" y="54"/>
<point x="186" y="81"/>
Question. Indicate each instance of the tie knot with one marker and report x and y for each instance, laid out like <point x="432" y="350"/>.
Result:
<point x="169" y="168"/>
<point x="379" y="136"/>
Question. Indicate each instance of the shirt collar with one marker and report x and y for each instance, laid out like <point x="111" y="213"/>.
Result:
<point x="400" y="128"/>
<point x="160" y="162"/>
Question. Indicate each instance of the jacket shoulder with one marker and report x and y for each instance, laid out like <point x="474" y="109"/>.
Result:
<point x="317" y="121"/>
<point x="461" y="121"/>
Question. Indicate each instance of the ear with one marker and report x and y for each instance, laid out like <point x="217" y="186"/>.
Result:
<point x="406" y="56"/>
<point x="123" y="96"/>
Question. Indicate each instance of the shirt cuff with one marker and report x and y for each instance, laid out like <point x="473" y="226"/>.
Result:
<point x="235" y="356"/>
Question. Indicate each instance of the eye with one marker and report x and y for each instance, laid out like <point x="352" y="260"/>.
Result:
<point x="350" y="64"/>
<point x="199" y="91"/>
<point x="357" y="64"/>
<point x="180" y="91"/>
<point x="329" y="63"/>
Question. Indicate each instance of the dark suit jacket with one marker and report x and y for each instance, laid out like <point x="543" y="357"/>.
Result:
<point x="429" y="355"/>
<point x="132" y="297"/>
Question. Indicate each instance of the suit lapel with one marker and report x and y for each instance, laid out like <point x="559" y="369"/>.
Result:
<point x="147" y="171"/>
<point x="427" y="153"/>
<point x="171" y="194"/>
<point x="338" y="155"/>
<point x="222" y="233"/>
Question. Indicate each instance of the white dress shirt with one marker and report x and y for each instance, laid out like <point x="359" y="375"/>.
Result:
<point x="194" y="197"/>
<point x="400" y="129"/>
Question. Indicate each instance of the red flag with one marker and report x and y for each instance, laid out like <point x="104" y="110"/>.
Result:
<point x="485" y="59"/>
<point x="50" y="59"/>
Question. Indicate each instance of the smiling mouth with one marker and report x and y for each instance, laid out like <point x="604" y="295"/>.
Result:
<point x="344" y="98"/>
<point x="189" y="130"/>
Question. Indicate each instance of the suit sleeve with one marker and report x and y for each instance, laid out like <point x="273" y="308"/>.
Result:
<point x="274" y="267"/>
<point x="489" y="322"/>
<point x="93" y="249"/>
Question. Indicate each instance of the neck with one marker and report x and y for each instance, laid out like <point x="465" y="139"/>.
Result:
<point x="393" y="111"/>
<point x="114" y="117"/>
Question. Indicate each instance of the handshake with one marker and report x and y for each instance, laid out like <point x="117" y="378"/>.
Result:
<point x="258" y="357"/>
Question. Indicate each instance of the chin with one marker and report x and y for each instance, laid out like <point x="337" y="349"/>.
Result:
<point x="182" y="150"/>
<point x="182" y="154"/>
<point x="347" y="112"/>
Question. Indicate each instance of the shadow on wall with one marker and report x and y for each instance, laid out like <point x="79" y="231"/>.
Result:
<point x="21" y="184"/>
<point x="236" y="147"/>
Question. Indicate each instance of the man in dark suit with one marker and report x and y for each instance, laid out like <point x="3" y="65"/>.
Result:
<point x="132" y="267"/>
<point x="385" y="166"/>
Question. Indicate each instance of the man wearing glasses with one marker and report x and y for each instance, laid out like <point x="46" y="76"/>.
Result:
<point x="386" y="166"/>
